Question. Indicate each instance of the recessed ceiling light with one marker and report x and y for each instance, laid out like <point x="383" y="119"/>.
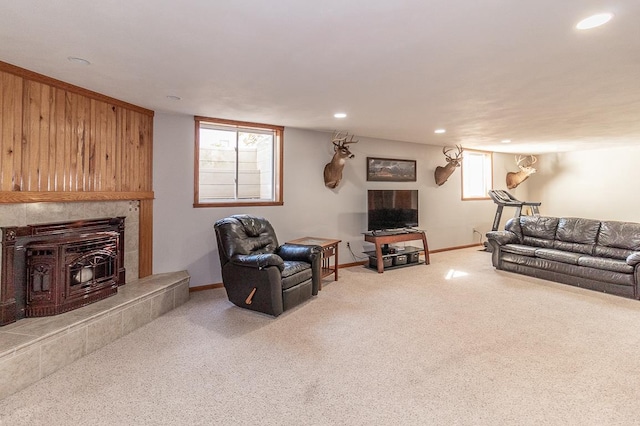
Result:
<point x="173" y="97"/>
<point x="594" y="21"/>
<point x="78" y="60"/>
<point x="339" y="115"/>
<point x="506" y="141"/>
<point x="440" y="131"/>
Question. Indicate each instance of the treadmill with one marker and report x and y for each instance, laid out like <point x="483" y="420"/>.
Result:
<point x="504" y="199"/>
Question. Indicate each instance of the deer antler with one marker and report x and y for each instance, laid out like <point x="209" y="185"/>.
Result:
<point x="446" y="150"/>
<point x="350" y="141"/>
<point x="341" y="141"/>
<point x="337" y="137"/>
<point x="520" y="159"/>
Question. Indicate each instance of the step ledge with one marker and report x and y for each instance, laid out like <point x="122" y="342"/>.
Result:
<point x="46" y="344"/>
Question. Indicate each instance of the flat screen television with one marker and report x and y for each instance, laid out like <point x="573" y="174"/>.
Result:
<point x="392" y="209"/>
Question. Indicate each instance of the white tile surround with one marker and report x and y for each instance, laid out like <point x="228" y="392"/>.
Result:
<point x="33" y="348"/>
<point x="36" y="213"/>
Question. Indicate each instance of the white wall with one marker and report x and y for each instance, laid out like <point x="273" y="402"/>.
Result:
<point x="184" y="236"/>
<point x="596" y="184"/>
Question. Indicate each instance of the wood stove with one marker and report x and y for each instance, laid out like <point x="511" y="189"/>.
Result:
<point x="53" y="268"/>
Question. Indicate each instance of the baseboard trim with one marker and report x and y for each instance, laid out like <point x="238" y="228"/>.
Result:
<point x="456" y="248"/>
<point x="340" y="266"/>
<point x="364" y="262"/>
<point x="348" y="265"/>
<point x="205" y="287"/>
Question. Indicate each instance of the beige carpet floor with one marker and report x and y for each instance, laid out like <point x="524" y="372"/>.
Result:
<point x="452" y="343"/>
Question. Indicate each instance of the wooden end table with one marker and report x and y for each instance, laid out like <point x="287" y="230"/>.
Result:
<point x="329" y="250"/>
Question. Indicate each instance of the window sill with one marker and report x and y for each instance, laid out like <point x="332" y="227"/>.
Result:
<point x="239" y="204"/>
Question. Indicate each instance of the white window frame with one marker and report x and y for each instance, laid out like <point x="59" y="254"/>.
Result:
<point x="477" y="174"/>
<point x="276" y="165"/>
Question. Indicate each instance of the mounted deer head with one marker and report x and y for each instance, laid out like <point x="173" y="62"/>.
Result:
<point x="442" y="173"/>
<point x="516" y="178"/>
<point x="333" y="170"/>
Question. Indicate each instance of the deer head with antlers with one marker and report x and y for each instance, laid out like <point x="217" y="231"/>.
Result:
<point x="333" y="170"/>
<point x="516" y="178"/>
<point x="442" y="173"/>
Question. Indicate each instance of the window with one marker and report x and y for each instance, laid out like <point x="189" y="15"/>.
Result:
<point x="237" y="163"/>
<point x="477" y="174"/>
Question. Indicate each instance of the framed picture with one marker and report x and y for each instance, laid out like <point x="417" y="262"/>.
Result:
<point x="390" y="170"/>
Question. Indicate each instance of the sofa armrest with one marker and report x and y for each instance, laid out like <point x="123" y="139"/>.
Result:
<point x="502" y="237"/>
<point x="299" y="252"/>
<point x="258" y="261"/>
<point x="633" y="259"/>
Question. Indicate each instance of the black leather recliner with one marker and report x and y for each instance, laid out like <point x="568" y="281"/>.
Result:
<point x="260" y="274"/>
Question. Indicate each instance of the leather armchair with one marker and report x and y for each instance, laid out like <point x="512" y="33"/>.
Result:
<point x="258" y="273"/>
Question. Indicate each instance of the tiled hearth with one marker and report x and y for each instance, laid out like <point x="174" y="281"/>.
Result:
<point x="33" y="348"/>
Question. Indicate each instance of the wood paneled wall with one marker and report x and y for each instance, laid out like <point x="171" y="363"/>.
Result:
<point x="59" y="142"/>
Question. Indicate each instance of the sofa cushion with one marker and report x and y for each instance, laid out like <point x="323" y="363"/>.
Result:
<point x="542" y="227"/>
<point x="577" y="230"/>
<point x="519" y="249"/>
<point x="294" y="273"/>
<point x="244" y="234"/>
<point x="513" y="225"/>
<point x="617" y="240"/>
<point x="538" y="242"/>
<point x="558" y="255"/>
<point x="623" y="235"/>
<point x="576" y="235"/>
<point x="569" y="269"/>
<point x="538" y="231"/>
<point x="574" y="247"/>
<point x="614" y="265"/>
<point x="611" y="252"/>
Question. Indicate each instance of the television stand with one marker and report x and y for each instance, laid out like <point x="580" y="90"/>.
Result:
<point x="389" y="232"/>
<point x="381" y="241"/>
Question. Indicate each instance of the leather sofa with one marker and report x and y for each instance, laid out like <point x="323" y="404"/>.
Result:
<point x="258" y="273"/>
<point x="598" y="255"/>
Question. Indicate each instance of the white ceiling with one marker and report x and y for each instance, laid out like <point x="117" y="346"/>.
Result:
<point x="486" y="70"/>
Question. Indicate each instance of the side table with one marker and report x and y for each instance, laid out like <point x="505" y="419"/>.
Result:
<point x="329" y="250"/>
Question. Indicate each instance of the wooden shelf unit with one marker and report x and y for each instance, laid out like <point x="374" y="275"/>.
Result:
<point x="381" y="240"/>
<point x="390" y="260"/>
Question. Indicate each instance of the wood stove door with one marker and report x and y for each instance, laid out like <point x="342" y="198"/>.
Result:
<point x="90" y="272"/>
<point x="42" y="283"/>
